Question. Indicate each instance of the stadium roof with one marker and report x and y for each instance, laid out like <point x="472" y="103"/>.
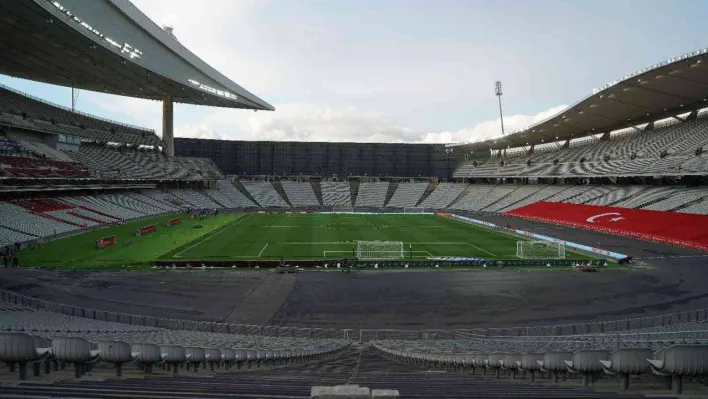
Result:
<point x="663" y="90"/>
<point x="109" y="46"/>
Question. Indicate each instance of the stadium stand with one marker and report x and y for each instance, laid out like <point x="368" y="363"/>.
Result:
<point x="195" y="199"/>
<point x="371" y="194"/>
<point x="336" y="194"/>
<point x="23" y="110"/>
<point x="235" y="197"/>
<point x="477" y="197"/>
<point x="300" y="194"/>
<point x="25" y="221"/>
<point x="675" y="346"/>
<point x="671" y="149"/>
<point x="264" y="193"/>
<point x="540" y="195"/>
<point x="515" y="196"/>
<point x="407" y="195"/>
<point x="443" y="195"/>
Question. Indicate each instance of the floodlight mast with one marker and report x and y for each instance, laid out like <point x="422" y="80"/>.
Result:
<point x="498" y="92"/>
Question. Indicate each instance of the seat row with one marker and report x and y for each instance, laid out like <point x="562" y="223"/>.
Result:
<point x="21" y="350"/>
<point x="672" y="362"/>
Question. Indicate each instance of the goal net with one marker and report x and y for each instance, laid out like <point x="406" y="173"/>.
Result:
<point x="413" y="210"/>
<point x="540" y="250"/>
<point x="372" y="250"/>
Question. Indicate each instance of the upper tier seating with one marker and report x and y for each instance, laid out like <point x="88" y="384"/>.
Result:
<point x="204" y="167"/>
<point x="372" y="194"/>
<point x="664" y="150"/>
<point x="443" y="195"/>
<point x="29" y="112"/>
<point x="300" y="194"/>
<point x="42" y="149"/>
<point x="264" y="193"/>
<point x="407" y="195"/>
<point x="336" y="194"/>
<point x="109" y="161"/>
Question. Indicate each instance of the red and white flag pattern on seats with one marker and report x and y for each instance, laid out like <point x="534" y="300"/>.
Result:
<point x="682" y="229"/>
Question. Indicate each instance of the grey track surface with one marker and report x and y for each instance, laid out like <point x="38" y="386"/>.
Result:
<point x="671" y="279"/>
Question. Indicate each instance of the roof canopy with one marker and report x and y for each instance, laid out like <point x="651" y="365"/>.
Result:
<point x="109" y="46"/>
<point x="676" y="86"/>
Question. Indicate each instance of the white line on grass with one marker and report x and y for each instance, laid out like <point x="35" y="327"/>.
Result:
<point x="483" y="250"/>
<point x="213" y="233"/>
<point x="264" y="247"/>
<point x="324" y="253"/>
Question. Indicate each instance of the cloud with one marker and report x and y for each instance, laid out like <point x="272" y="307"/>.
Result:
<point x="299" y="122"/>
<point x="327" y="82"/>
<point x="492" y="128"/>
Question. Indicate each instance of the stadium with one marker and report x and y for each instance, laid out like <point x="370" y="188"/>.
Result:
<point x="139" y="265"/>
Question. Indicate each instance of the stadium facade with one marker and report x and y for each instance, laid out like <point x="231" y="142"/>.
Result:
<point x="293" y="158"/>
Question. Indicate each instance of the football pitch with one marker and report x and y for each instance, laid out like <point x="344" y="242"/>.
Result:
<point x="255" y="236"/>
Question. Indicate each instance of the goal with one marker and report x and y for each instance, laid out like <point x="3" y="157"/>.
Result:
<point x="373" y="250"/>
<point x="414" y="210"/>
<point x="540" y="250"/>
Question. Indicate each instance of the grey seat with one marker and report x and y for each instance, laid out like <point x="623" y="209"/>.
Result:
<point x="117" y="352"/>
<point x="554" y="362"/>
<point x="75" y="350"/>
<point x="147" y="355"/>
<point x="20" y="348"/>
<point x="586" y="362"/>
<point x="173" y="355"/>
<point x="678" y="361"/>
<point x="530" y="362"/>
<point x="627" y="361"/>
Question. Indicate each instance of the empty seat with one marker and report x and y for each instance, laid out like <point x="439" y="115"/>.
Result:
<point x="627" y="361"/>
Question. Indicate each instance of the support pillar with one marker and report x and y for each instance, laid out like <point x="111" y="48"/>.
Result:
<point x="168" y="125"/>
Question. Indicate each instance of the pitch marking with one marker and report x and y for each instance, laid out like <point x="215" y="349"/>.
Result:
<point x="264" y="247"/>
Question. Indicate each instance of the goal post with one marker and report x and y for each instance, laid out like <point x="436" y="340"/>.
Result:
<point x="379" y="250"/>
<point x="413" y="210"/>
<point x="540" y="250"/>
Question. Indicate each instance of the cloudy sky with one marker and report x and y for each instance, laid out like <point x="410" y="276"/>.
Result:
<point x="402" y="70"/>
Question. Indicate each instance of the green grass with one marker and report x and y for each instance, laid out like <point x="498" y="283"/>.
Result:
<point x="270" y="236"/>
<point x="79" y="251"/>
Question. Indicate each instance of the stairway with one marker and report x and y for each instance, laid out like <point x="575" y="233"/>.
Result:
<point x="392" y="187"/>
<point x="431" y="187"/>
<point x="317" y="188"/>
<point x="281" y="191"/>
<point x="243" y="191"/>
<point x="354" y="189"/>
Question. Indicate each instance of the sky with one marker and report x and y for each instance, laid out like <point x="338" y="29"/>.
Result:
<point x="401" y="70"/>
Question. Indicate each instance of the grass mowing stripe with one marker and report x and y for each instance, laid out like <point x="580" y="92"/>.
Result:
<point x="212" y="235"/>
